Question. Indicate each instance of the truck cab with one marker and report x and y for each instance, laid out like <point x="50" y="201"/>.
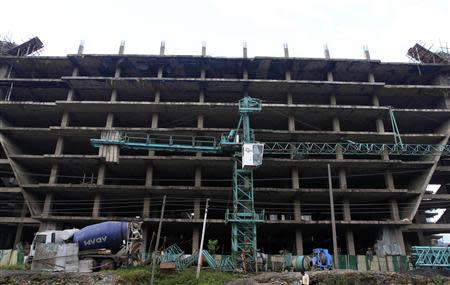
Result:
<point x="46" y="237"/>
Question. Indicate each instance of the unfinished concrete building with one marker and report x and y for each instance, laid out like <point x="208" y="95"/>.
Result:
<point x="51" y="176"/>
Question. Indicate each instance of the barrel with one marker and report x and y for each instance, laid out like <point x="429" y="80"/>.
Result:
<point x="301" y="263"/>
<point x="108" y="235"/>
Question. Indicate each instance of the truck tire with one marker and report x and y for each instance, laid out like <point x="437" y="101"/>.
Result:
<point x="106" y="264"/>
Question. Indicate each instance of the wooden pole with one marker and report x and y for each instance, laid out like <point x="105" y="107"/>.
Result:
<point x="157" y="240"/>
<point x="202" y="240"/>
<point x="333" y="220"/>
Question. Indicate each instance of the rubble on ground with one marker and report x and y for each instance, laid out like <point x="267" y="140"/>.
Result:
<point x="332" y="277"/>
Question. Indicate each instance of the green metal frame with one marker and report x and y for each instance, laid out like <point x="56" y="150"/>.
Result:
<point x="431" y="256"/>
<point x="243" y="217"/>
<point x="295" y="149"/>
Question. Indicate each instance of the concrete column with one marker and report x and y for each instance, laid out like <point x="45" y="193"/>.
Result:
<point x="47" y="226"/>
<point x="53" y="174"/>
<point x="101" y="175"/>
<point x="65" y="119"/>
<point x="154" y="121"/>
<point x="70" y="94"/>
<point x="330" y="76"/>
<point x="59" y="146"/>
<point x="47" y="204"/>
<point x="298" y="241"/>
<point x="291" y="123"/>
<point x="146" y="208"/>
<point x="144" y="239"/>
<point x="389" y="180"/>
<point x="346" y="209"/>
<point x="200" y="119"/>
<point x="96" y="207"/>
<point x="400" y="241"/>
<point x="198" y="176"/>
<point x="195" y="239"/>
<point x="197" y="208"/>
<point x="394" y="210"/>
<point x="114" y="95"/>
<point x="19" y="229"/>
<point x="149" y="176"/>
<point x="422" y="240"/>
<point x="350" y="242"/>
<point x="342" y="179"/>
<point x="291" y="118"/>
<point x="110" y="120"/>
<point x="295" y="178"/>
<point x="297" y="210"/>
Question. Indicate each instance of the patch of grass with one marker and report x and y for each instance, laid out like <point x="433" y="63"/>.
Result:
<point x="142" y="275"/>
<point x="12" y="267"/>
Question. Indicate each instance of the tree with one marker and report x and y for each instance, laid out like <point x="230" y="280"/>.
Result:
<point x="213" y="246"/>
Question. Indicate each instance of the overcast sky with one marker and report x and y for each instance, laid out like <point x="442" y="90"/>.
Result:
<point x="389" y="28"/>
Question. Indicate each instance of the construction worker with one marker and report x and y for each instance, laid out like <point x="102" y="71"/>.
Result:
<point x="369" y="257"/>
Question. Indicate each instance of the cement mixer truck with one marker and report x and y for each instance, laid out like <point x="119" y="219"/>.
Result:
<point x="105" y="245"/>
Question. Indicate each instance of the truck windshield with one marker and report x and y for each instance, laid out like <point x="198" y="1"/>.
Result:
<point x="40" y="239"/>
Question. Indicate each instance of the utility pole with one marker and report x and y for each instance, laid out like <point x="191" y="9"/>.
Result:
<point x="333" y="220"/>
<point x="157" y="240"/>
<point x="200" y="254"/>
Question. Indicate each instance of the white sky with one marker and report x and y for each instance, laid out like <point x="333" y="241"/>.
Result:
<point x="389" y="28"/>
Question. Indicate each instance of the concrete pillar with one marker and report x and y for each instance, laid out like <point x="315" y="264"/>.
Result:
<point x="346" y="209"/>
<point x="114" y="95"/>
<point x="195" y="230"/>
<point x="144" y="239"/>
<point x="70" y="94"/>
<point x="53" y="174"/>
<point x="149" y="176"/>
<point x="330" y="76"/>
<point x="195" y="239"/>
<point x="47" y="226"/>
<point x="47" y="204"/>
<point x="336" y="125"/>
<point x="146" y="208"/>
<point x="196" y="208"/>
<point x="200" y="119"/>
<point x="101" y="175"/>
<point x="198" y="176"/>
<point x="110" y="120"/>
<point x="333" y="100"/>
<point x="96" y="207"/>
<point x="291" y="123"/>
<point x="422" y="240"/>
<point x="291" y="118"/>
<point x="297" y="210"/>
<point x="295" y="178"/>
<point x="290" y="99"/>
<point x="65" y="119"/>
<point x="389" y="180"/>
<point x="350" y="242"/>
<point x="59" y="146"/>
<point x="298" y="241"/>
<point x="342" y="179"/>
<point x="401" y="241"/>
<point x="19" y="229"/>
<point x="394" y="210"/>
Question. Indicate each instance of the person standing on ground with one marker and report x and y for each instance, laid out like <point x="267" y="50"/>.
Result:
<point x="369" y="257"/>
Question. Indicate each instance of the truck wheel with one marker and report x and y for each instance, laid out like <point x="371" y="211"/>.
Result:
<point x="106" y="264"/>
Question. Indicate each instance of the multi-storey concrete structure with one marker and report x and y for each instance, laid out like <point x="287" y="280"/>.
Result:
<point x="53" y="178"/>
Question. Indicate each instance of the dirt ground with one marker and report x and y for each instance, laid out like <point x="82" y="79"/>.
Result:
<point x="19" y="277"/>
<point x="414" y="277"/>
<point x="335" y="277"/>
